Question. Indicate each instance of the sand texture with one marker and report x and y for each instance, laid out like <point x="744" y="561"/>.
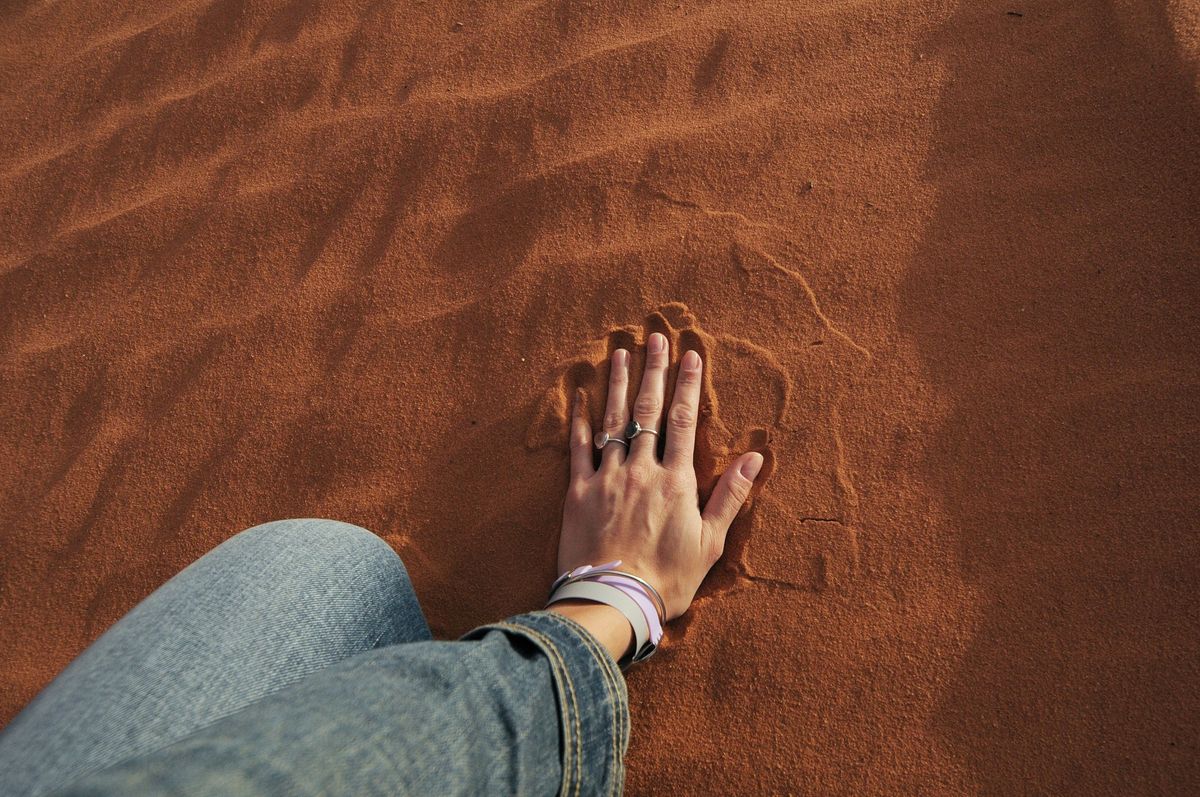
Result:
<point x="311" y="258"/>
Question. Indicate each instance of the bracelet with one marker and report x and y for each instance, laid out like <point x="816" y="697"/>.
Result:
<point x="605" y="569"/>
<point x="625" y="592"/>
<point x="643" y="646"/>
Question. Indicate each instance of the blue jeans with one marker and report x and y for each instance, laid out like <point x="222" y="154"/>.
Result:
<point x="294" y="659"/>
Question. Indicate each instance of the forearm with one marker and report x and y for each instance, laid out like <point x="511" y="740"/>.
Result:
<point x="482" y="715"/>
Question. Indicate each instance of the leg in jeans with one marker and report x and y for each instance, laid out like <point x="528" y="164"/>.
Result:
<point x="531" y="705"/>
<point x="263" y="610"/>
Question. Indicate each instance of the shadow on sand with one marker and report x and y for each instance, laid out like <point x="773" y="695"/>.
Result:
<point x="1054" y="301"/>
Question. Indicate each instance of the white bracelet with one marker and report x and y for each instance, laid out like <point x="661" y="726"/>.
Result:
<point x="606" y="593"/>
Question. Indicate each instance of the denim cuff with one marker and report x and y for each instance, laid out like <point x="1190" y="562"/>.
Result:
<point x="592" y="700"/>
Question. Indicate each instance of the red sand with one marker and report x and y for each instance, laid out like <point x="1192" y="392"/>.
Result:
<point x="278" y="259"/>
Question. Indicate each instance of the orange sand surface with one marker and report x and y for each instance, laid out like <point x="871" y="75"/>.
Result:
<point x="287" y="258"/>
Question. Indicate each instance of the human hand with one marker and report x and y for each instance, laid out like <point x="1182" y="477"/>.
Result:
<point x="639" y="510"/>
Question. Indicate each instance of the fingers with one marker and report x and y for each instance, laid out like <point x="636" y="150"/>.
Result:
<point x="647" y="409"/>
<point x="685" y="408"/>
<point x="615" y="416"/>
<point x="580" y="439"/>
<point x="728" y="496"/>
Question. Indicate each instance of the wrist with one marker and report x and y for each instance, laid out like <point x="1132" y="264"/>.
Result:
<point x="607" y="624"/>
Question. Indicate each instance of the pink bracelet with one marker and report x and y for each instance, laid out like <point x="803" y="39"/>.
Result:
<point x="638" y="593"/>
<point x="635" y="589"/>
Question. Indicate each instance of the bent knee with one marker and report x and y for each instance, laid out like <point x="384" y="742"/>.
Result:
<point x="323" y="539"/>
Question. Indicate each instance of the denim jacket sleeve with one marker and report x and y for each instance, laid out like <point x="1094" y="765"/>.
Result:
<point x="529" y="705"/>
<point x="592" y="702"/>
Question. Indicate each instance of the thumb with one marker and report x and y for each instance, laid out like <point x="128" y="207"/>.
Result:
<point x="728" y="496"/>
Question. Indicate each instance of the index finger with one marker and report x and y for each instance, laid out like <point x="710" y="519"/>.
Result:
<point x="580" y="438"/>
<point x="685" y="408"/>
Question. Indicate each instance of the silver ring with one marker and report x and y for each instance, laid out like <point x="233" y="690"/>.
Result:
<point x="603" y="438"/>
<point x="634" y="429"/>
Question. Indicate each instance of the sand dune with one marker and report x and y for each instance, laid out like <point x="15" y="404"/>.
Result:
<point x="348" y="259"/>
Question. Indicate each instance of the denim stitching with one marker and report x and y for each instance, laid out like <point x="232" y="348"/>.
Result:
<point x="610" y="686"/>
<point x="607" y="670"/>
<point x="577" y="716"/>
<point x="556" y="655"/>
<point x="617" y="728"/>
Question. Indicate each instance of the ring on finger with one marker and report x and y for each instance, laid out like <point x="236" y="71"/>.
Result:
<point x="634" y="429"/>
<point x="604" y="438"/>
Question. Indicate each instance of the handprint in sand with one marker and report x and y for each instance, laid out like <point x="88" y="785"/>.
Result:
<point x="745" y="402"/>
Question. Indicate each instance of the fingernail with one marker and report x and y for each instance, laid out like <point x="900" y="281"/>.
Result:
<point x="657" y="343"/>
<point x="752" y="466"/>
<point x="691" y="360"/>
<point x="620" y="358"/>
